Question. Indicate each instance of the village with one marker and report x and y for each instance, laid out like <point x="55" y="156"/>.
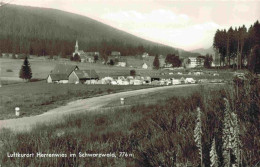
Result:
<point x="66" y="73"/>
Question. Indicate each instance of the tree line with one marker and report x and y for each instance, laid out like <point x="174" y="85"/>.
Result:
<point x="237" y="44"/>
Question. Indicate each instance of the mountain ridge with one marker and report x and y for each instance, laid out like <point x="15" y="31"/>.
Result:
<point x="41" y="26"/>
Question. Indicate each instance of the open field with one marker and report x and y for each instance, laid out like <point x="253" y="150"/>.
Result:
<point x="41" y="68"/>
<point x="159" y="134"/>
<point x="38" y="97"/>
<point x="93" y="104"/>
<point x="162" y="95"/>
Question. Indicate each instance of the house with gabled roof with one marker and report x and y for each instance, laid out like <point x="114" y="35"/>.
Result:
<point x="60" y="73"/>
<point x="144" y="66"/>
<point x="82" y="76"/>
<point x="58" y="78"/>
<point x="115" y="54"/>
<point x="145" y="55"/>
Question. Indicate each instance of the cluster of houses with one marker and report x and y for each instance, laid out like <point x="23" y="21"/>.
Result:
<point x="14" y="56"/>
<point x="115" y="56"/>
<point x="63" y="73"/>
<point x="190" y="62"/>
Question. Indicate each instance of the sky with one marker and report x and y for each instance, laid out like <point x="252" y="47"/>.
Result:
<point x="182" y="24"/>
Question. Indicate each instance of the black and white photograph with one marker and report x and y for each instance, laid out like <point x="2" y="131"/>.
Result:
<point x="129" y="83"/>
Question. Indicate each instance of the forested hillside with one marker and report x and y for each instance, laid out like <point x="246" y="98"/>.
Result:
<point x="42" y="31"/>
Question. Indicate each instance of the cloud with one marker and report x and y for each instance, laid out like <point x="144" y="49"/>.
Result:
<point x="159" y="17"/>
<point x="165" y="27"/>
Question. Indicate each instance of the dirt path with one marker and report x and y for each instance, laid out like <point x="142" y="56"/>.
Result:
<point x="79" y="106"/>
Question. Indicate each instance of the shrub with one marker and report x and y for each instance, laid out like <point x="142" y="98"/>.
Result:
<point x="132" y="73"/>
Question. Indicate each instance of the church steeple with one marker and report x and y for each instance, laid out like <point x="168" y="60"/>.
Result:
<point x="76" y="47"/>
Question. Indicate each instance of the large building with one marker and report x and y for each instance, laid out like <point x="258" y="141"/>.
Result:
<point x="81" y="76"/>
<point x="85" y="56"/>
<point x="76" y="49"/>
<point x="60" y="73"/>
<point x="193" y="62"/>
<point x="64" y="73"/>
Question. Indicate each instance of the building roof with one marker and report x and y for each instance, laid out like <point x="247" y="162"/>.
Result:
<point x="115" y="53"/>
<point x="86" y="74"/>
<point x="64" y="69"/>
<point x="92" y="54"/>
<point x="58" y="77"/>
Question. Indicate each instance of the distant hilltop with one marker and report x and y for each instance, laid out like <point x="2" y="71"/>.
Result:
<point x="203" y="51"/>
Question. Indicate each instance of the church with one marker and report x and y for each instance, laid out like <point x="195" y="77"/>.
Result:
<point x="84" y="56"/>
<point x="77" y="51"/>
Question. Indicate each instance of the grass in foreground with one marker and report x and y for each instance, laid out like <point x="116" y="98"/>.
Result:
<point x="160" y="134"/>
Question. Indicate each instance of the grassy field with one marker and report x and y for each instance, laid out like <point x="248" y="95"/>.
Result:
<point x="162" y="95"/>
<point x="112" y="131"/>
<point x="41" y="68"/>
<point x="37" y="97"/>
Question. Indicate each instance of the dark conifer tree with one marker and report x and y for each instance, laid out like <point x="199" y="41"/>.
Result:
<point x="111" y="62"/>
<point x="208" y="61"/>
<point x="132" y="73"/>
<point x="156" y="63"/>
<point x="76" y="58"/>
<point x="26" y="72"/>
<point x="254" y="60"/>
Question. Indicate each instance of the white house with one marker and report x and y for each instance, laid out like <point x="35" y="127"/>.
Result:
<point x="176" y="81"/>
<point x="121" y="64"/>
<point x="137" y="82"/>
<point x="57" y="78"/>
<point x="193" y="62"/>
<point x="189" y="80"/>
<point x="145" y="55"/>
<point x="145" y="66"/>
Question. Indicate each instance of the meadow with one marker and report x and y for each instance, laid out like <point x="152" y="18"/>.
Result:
<point x="38" y="97"/>
<point x="162" y="95"/>
<point x="34" y="98"/>
<point x="41" y="67"/>
<point x="158" y="134"/>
